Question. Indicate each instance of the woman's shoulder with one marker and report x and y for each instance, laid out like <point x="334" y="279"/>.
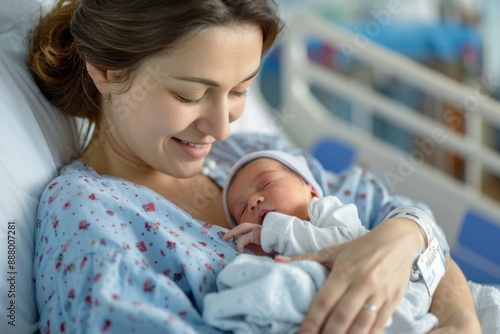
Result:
<point x="75" y="175"/>
<point x="77" y="171"/>
<point x="80" y="184"/>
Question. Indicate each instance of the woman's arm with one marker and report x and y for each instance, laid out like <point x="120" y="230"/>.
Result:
<point x="374" y="269"/>
<point x="453" y="304"/>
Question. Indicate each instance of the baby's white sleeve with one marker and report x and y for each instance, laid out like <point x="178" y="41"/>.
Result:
<point x="291" y="236"/>
<point x="329" y="211"/>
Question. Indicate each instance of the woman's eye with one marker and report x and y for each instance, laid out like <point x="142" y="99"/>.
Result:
<point x="200" y="100"/>
<point x="189" y="101"/>
<point x="239" y="94"/>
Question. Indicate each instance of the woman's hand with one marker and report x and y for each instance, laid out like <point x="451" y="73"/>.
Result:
<point x="371" y="270"/>
<point x="245" y="234"/>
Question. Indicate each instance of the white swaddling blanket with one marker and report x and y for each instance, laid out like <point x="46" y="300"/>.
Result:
<point x="257" y="295"/>
<point x="487" y="301"/>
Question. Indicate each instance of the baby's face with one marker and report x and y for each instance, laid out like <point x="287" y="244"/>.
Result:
<point x="265" y="185"/>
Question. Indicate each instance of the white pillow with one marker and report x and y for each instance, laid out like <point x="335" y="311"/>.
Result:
<point x="35" y="141"/>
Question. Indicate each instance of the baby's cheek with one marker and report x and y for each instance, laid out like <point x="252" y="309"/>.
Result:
<point x="244" y="219"/>
<point x="249" y="219"/>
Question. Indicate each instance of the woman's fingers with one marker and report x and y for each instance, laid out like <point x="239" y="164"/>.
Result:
<point x="325" y="256"/>
<point x="386" y="311"/>
<point x="344" y="312"/>
<point x="361" y="292"/>
<point x="356" y="310"/>
<point x="323" y="303"/>
<point x="367" y="314"/>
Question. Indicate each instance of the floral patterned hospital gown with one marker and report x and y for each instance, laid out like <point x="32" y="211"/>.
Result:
<point x="116" y="257"/>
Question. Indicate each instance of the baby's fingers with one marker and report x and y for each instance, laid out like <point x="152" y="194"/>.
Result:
<point x="243" y="241"/>
<point x="238" y="230"/>
<point x="251" y="237"/>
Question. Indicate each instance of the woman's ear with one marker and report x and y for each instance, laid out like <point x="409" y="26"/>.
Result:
<point x="100" y="78"/>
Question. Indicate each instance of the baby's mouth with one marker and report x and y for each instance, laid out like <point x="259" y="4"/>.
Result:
<point x="262" y="215"/>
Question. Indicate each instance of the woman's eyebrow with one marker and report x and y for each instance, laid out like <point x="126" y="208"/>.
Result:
<point x="213" y="83"/>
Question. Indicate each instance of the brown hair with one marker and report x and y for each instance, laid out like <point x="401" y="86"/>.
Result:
<point x="121" y="35"/>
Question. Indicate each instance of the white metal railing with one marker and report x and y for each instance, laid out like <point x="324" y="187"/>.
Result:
<point x="299" y="69"/>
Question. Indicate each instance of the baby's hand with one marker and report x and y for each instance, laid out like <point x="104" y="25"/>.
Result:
<point x="246" y="233"/>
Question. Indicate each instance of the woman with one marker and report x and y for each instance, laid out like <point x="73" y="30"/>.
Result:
<point x="125" y="240"/>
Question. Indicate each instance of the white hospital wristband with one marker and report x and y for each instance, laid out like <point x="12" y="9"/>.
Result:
<point x="429" y="264"/>
<point x="416" y="215"/>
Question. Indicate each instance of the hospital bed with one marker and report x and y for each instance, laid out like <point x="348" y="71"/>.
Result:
<point x="36" y="140"/>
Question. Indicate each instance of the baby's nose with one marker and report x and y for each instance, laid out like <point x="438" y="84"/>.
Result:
<point x="256" y="201"/>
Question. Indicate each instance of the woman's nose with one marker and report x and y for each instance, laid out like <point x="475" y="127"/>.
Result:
<point x="215" y="120"/>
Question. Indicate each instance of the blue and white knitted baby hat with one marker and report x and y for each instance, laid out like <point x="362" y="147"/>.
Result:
<point x="298" y="164"/>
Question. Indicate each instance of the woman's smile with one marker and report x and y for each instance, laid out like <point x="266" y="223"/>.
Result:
<point x="195" y="150"/>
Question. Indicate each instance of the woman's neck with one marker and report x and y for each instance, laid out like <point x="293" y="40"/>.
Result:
<point x="108" y="158"/>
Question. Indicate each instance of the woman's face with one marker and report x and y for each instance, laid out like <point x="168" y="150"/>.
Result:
<point x="178" y="104"/>
<point x="265" y="185"/>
